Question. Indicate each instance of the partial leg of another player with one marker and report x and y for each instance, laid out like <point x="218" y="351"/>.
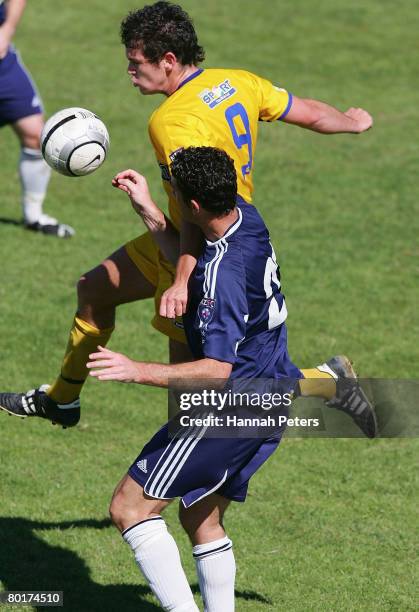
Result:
<point x="138" y="518"/>
<point x="34" y="176"/>
<point x="117" y="280"/>
<point x="179" y="352"/>
<point x="336" y="382"/>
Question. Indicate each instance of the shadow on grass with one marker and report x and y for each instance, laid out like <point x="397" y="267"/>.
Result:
<point x="252" y="596"/>
<point x="8" y="221"/>
<point x="30" y="564"/>
<point x="246" y="595"/>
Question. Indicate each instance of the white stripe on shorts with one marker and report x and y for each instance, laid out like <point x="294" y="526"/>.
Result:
<point x="156" y="481"/>
<point x="182" y="462"/>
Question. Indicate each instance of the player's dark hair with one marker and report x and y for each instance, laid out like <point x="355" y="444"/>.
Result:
<point x="207" y="175"/>
<point x="159" y="28"/>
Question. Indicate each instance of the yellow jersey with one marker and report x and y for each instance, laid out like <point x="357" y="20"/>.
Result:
<point x="216" y="108"/>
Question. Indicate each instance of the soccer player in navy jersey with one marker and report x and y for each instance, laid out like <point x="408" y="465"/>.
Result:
<point x="235" y="326"/>
<point x="21" y="107"/>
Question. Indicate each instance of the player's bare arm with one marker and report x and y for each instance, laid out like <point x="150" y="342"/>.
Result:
<point x="325" y="119"/>
<point x="14" y="13"/>
<point x="174" y="300"/>
<point x="108" y="365"/>
<point x="161" y="228"/>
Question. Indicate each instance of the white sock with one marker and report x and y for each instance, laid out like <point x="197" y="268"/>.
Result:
<point x="158" y="558"/>
<point x="216" y="570"/>
<point x="34" y="177"/>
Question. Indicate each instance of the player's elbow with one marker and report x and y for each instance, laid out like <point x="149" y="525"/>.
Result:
<point x="218" y="370"/>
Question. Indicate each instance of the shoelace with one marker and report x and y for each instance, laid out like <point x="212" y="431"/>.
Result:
<point x="28" y="402"/>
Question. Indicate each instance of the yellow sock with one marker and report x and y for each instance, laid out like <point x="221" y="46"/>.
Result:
<point x="317" y="384"/>
<point x="83" y="340"/>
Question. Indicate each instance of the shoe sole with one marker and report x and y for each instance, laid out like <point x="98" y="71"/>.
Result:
<point x="25" y="416"/>
<point x="18" y="416"/>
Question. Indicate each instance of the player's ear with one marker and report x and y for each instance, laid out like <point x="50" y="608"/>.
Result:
<point x="195" y="207"/>
<point x="169" y="60"/>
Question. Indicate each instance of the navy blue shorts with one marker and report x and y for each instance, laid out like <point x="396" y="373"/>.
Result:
<point x="18" y="95"/>
<point x="194" y="466"/>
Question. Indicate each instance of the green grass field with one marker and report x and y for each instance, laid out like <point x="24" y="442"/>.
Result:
<point x="329" y="524"/>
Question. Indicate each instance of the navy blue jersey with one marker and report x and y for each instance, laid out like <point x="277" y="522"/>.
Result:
<point x="237" y="311"/>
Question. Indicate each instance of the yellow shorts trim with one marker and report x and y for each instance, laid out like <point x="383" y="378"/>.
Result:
<point x="147" y="257"/>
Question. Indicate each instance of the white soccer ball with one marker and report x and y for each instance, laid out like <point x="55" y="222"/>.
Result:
<point x="74" y="142"/>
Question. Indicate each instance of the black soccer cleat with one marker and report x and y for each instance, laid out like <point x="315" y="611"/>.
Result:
<point x="350" y="397"/>
<point x="51" y="227"/>
<point x="37" y="403"/>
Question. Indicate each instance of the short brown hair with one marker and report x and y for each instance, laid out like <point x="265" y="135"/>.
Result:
<point x="159" y="28"/>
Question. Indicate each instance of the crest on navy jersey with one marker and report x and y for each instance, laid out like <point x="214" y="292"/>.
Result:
<point x="206" y="311"/>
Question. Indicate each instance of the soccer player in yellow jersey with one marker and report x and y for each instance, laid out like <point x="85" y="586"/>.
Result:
<point x="219" y="106"/>
<point x="212" y="107"/>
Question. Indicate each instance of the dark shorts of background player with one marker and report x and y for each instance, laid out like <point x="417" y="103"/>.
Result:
<point x="193" y="466"/>
<point x="18" y="95"/>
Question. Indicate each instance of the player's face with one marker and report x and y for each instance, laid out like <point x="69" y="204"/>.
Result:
<point x="149" y="78"/>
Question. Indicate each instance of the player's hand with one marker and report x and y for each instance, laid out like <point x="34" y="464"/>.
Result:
<point x="135" y="185"/>
<point x="174" y="301"/>
<point x="5" y="40"/>
<point x="363" y="120"/>
<point x="113" y="366"/>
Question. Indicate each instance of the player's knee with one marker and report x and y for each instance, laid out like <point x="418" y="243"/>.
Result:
<point x="29" y="131"/>
<point x="96" y="288"/>
<point x="89" y="289"/>
<point x="127" y="507"/>
<point x="116" y="512"/>
<point x="123" y="515"/>
<point x="31" y="141"/>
